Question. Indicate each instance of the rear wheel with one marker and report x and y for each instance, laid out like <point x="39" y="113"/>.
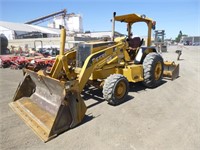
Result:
<point x="153" y="70"/>
<point x="115" y="89"/>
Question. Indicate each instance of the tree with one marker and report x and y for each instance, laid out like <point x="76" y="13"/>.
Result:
<point x="178" y="38"/>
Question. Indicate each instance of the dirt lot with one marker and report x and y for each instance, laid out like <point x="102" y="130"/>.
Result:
<point x="164" y="118"/>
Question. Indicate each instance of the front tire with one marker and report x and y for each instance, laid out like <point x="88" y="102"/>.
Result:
<point x="115" y="89"/>
<point x="153" y="70"/>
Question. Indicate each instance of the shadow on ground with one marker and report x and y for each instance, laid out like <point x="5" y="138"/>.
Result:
<point x="137" y="87"/>
<point x="97" y="95"/>
<point x="92" y="93"/>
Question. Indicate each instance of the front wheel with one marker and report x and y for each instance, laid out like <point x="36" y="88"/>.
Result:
<point x="115" y="89"/>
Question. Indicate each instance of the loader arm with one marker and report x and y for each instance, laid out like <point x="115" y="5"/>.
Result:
<point x="59" y="65"/>
<point x="61" y="62"/>
<point x="98" y="60"/>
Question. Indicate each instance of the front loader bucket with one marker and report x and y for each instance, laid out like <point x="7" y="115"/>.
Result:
<point x="47" y="105"/>
<point x="171" y="70"/>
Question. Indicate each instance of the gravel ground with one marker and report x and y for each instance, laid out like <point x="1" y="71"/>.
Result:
<point x="164" y="118"/>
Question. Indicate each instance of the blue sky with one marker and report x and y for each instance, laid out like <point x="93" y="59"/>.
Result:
<point x="170" y="15"/>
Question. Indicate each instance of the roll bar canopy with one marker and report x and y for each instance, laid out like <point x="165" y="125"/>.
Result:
<point x="132" y="18"/>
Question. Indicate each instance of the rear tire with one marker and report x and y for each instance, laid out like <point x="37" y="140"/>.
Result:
<point x="115" y="89"/>
<point x="153" y="70"/>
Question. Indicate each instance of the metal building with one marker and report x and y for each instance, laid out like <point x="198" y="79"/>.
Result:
<point x="191" y="40"/>
<point x="20" y="31"/>
<point x="72" y="22"/>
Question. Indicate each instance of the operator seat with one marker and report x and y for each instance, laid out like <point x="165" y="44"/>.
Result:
<point x="134" y="43"/>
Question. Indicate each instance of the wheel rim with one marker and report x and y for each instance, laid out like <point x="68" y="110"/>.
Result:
<point x="158" y="70"/>
<point x="120" y="90"/>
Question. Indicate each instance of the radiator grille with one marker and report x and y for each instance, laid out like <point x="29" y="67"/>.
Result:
<point x="82" y="53"/>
